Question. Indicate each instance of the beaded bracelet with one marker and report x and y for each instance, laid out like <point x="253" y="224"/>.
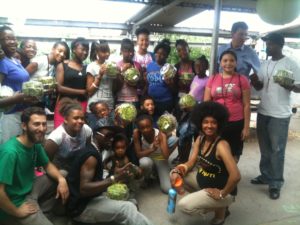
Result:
<point x="176" y="171"/>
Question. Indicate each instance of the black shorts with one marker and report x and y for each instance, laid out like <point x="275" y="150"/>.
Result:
<point x="232" y="134"/>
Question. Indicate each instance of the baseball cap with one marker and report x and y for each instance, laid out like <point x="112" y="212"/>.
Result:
<point x="276" y="38"/>
<point x="114" y="129"/>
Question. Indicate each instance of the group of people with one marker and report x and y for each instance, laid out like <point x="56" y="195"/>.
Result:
<point x="91" y="147"/>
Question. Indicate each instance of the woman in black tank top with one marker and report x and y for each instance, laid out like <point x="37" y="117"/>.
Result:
<point x="71" y="77"/>
<point x="211" y="173"/>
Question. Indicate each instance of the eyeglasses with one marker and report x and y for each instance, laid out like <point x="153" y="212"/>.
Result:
<point x="104" y="136"/>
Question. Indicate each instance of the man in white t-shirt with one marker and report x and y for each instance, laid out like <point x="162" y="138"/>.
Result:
<point x="274" y="112"/>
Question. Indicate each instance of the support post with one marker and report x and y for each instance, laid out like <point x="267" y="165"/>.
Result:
<point x="215" y="37"/>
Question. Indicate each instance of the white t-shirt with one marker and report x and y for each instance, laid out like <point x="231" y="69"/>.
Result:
<point x="146" y="145"/>
<point x="143" y="60"/>
<point x="104" y="93"/>
<point x="157" y="155"/>
<point x="276" y="100"/>
<point x="43" y="67"/>
<point x="68" y="145"/>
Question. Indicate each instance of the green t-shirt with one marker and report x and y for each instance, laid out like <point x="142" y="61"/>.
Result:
<point x="17" y="163"/>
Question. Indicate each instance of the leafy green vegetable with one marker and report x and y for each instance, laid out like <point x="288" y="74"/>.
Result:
<point x="186" y="78"/>
<point x="127" y="111"/>
<point x="166" y="123"/>
<point x="284" y="77"/>
<point x="187" y="101"/>
<point x="132" y="76"/>
<point x="49" y="83"/>
<point x="111" y="69"/>
<point x="118" y="191"/>
<point x="168" y="71"/>
<point x="33" y="88"/>
<point x="6" y="91"/>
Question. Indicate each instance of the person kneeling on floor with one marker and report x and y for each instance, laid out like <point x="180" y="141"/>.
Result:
<point x="87" y="202"/>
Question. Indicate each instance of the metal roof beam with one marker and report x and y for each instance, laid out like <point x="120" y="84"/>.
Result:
<point x="187" y="31"/>
<point x="78" y="24"/>
<point x="141" y="14"/>
<point x="193" y="31"/>
<point x="157" y="12"/>
<point x="148" y="2"/>
<point x="211" y="7"/>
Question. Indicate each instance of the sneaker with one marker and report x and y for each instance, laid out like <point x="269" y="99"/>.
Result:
<point x="274" y="193"/>
<point x="258" y="180"/>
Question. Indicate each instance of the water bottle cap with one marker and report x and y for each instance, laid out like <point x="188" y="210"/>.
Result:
<point x="172" y="191"/>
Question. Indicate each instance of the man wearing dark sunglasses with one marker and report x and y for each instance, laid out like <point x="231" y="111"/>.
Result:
<point x="87" y="203"/>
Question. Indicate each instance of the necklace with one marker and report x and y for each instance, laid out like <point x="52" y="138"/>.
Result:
<point x="224" y="95"/>
<point x="269" y="75"/>
<point x="205" y="151"/>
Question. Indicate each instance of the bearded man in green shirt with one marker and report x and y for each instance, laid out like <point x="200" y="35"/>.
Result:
<point x="20" y="190"/>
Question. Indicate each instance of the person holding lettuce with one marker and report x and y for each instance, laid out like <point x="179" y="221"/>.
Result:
<point x="160" y="89"/>
<point x="127" y="83"/>
<point x="99" y="83"/>
<point x="88" y="204"/>
<point x="12" y="76"/>
<point x="277" y="78"/>
<point x="153" y="148"/>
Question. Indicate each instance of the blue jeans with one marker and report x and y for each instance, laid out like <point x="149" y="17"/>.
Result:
<point x="272" y="136"/>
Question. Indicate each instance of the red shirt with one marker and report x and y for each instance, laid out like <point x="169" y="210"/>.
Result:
<point x="228" y="91"/>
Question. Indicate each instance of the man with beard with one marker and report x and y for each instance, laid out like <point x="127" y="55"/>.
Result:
<point x="87" y="203"/>
<point x="22" y="197"/>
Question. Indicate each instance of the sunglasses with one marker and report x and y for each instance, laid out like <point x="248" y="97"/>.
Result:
<point x="104" y="136"/>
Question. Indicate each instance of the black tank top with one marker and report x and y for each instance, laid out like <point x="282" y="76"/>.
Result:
<point x="212" y="172"/>
<point x="75" y="79"/>
<point x="77" y="203"/>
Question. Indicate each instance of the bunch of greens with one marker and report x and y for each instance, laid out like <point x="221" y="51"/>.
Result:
<point x="5" y="92"/>
<point x="167" y="123"/>
<point x="187" y="101"/>
<point x="132" y="76"/>
<point x="118" y="191"/>
<point x="186" y="78"/>
<point x="111" y="69"/>
<point x="33" y="88"/>
<point x="284" y="77"/>
<point x="127" y="112"/>
<point x="168" y="71"/>
<point x="49" y="83"/>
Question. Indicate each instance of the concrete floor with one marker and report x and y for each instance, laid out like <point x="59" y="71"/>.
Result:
<point x="252" y="206"/>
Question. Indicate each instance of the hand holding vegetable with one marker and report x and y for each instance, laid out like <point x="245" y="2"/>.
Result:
<point x="285" y="79"/>
<point x="124" y="173"/>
